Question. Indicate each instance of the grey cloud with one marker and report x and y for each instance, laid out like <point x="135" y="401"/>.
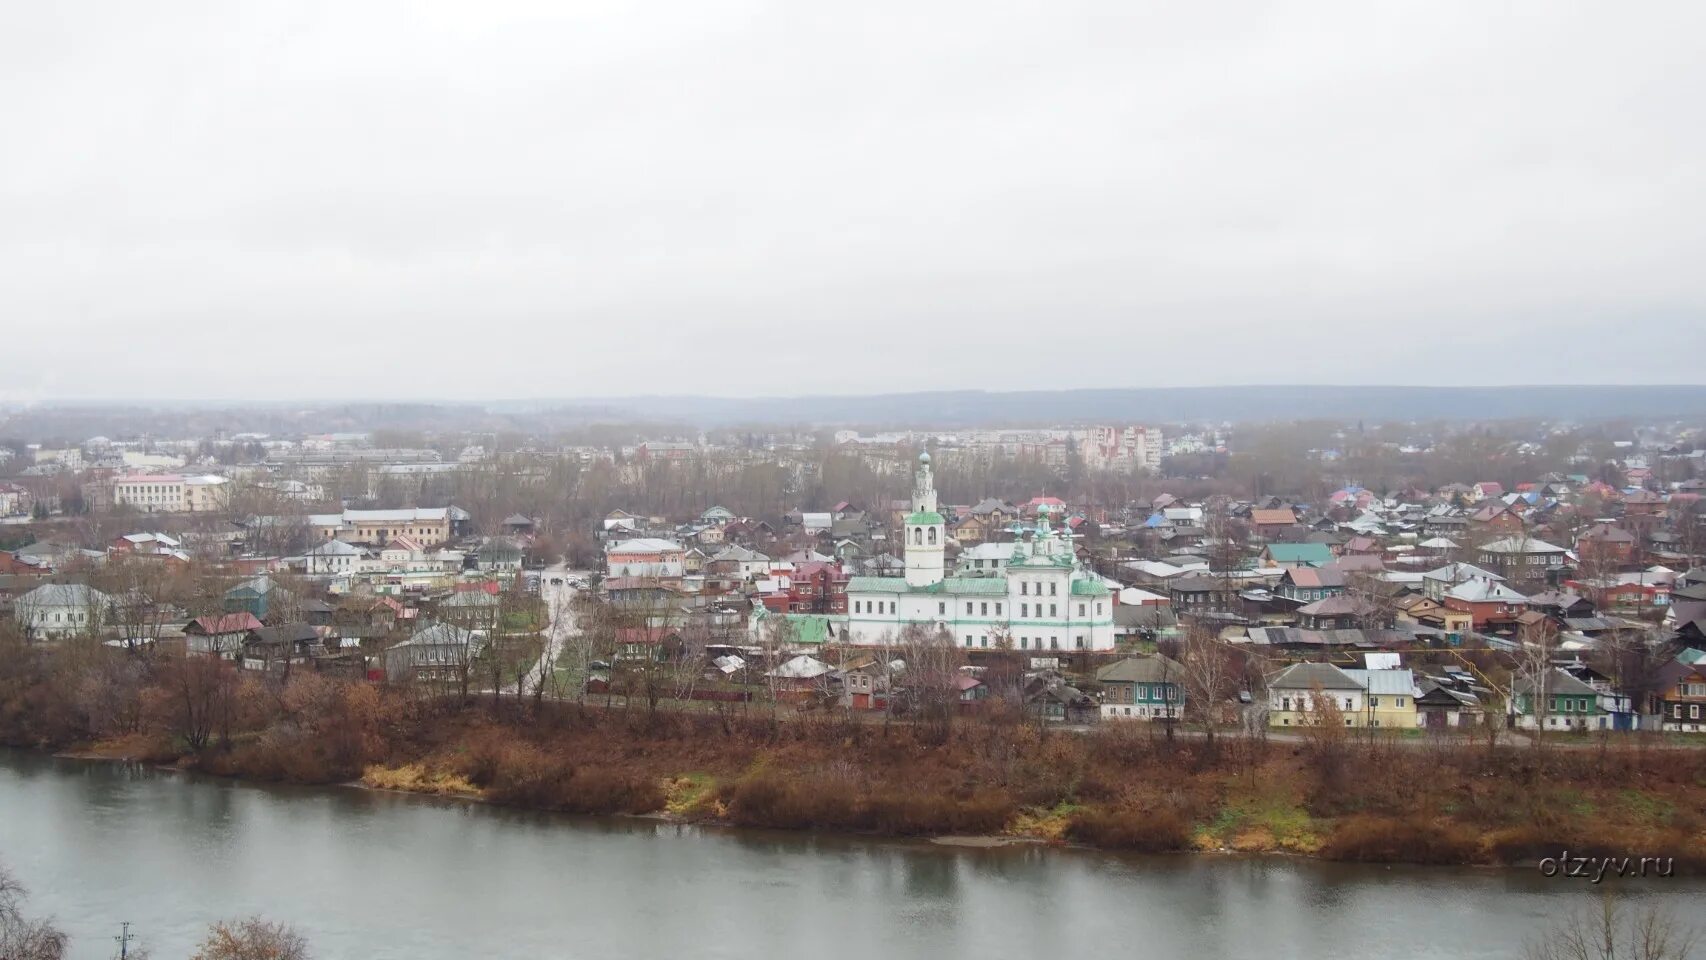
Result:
<point x="529" y="199"/>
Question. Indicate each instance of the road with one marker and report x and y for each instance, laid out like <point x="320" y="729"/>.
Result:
<point x="559" y="597"/>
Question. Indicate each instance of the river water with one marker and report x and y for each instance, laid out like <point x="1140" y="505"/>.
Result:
<point x="377" y="875"/>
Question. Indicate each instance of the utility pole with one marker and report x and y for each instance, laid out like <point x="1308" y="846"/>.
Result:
<point x="124" y="938"/>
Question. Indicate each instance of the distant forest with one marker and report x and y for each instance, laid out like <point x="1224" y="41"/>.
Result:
<point x="947" y="409"/>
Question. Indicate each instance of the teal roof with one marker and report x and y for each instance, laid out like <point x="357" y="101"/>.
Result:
<point x="815" y="627"/>
<point x="1313" y="553"/>
<point x="991" y="586"/>
<point x="877" y="585"/>
<point x="923" y="517"/>
<point x="981" y="586"/>
<point x="1089" y="588"/>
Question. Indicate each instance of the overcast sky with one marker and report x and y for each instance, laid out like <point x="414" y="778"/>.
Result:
<point x="499" y="200"/>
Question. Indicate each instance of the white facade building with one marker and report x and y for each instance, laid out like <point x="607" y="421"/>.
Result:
<point x="170" y="492"/>
<point x="1042" y="600"/>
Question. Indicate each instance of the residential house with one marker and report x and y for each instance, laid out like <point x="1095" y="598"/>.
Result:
<point x="1436" y="615"/>
<point x="865" y="685"/>
<point x="738" y="563"/>
<point x="219" y="636"/>
<point x="1437" y="581"/>
<point x="1340" y="612"/>
<point x="499" y="555"/>
<point x="1568" y="703"/>
<point x="435" y="651"/>
<point x="1679" y="699"/>
<point x="1308" y="584"/>
<point x="275" y="647"/>
<point x="1049" y="698"/>
<point x="333" y="558"/>
<point x="1496" y="515"/>
<point x="1142" y="688"/>
<point x="1486" y="602"/>
<point x="984" y="560"/>
<point x="1271" y="522"/>
<point x="1606" y="543"/>
<point x="56" y="610"/>
<point x="1296" y="555"/>
<point x="1561" y="604"/>
<point x="1203" y="593"/>
<point x="258" y="596"/>
<point x="1305" y="693"/>
<point x="1450" y="700"/>
<point x="1391" y="695"/>
<point x="1522" y="559"/>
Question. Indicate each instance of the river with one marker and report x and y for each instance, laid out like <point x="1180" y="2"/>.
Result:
<point x="377" y="875"/>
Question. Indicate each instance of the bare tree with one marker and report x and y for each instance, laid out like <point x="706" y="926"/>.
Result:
<point x="252" y="939"/>
<point x="1535" y="667"/>
<point x="1613" y="933"/>
<point x="931" y="677"/>
<point x="1206" y="662"/>
<point x="22" y="938"/>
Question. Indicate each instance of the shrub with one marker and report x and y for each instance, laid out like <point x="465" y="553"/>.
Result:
<point x="1392" y="840"/>
<point x="1144" y="831"/>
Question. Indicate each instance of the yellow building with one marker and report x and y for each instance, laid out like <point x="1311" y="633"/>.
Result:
<point x="427" y="526"/>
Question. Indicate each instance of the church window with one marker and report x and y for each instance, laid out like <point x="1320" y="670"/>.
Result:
<point x="941" y="608"/>
<point x="968" y="639"/>
<point x="1024" y="609"/>
<point x="998" y="609"/>
<point x="1051" y="588"/>
<point x="983" y="608"/>
<point x="1054" y="643"/>
<point x="1024" y="588"/>
<point x="1081" y="609"/>
<point x="932" y="536"/>
<point x="1080" y="642"/>
<point x="968" y="608"/>
<point x="918" y="536"/>
<point x="1024" y="643"/>
<point x="1051" y="610"/>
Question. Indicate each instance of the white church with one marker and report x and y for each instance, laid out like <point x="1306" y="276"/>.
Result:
<point x="1042" y="600"/>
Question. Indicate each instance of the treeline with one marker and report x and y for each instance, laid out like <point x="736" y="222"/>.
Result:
<point x="1329" y="794"/>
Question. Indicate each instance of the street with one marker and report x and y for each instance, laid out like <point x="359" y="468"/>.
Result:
<point x="558" y="596"/>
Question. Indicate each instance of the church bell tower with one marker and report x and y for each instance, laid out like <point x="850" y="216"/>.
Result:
<point x="925" y="532"/>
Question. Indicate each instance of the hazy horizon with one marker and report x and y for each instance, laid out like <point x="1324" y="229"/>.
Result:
<point x="737" y="198"/>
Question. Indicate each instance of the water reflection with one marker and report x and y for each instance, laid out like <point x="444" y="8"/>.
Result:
<point x="380" y="875"/>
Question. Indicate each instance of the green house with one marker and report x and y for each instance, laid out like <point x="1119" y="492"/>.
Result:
<point x="1142" y="688"/>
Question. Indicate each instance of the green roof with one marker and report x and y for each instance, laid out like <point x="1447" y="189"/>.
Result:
<point x="923" y="517"/>
<point x="989" y="586"/>
<point x="980" y="586"/>
<point x="1314" y="553"/>
<point x="815" y="627"/>
<point x="877" y="585"/>
<point x="1089" y="588"/>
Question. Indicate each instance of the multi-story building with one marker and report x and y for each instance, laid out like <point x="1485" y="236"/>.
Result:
<point x="427" y="526"/>
<point x="1122" y="448"/>
<point x="170" y="492"/>
<point x="646" y="558"/>
<point x="1042" y="599"/>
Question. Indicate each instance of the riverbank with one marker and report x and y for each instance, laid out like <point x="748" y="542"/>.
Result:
<point x="1121" y="788"/>
<point x="382" y="875"/>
